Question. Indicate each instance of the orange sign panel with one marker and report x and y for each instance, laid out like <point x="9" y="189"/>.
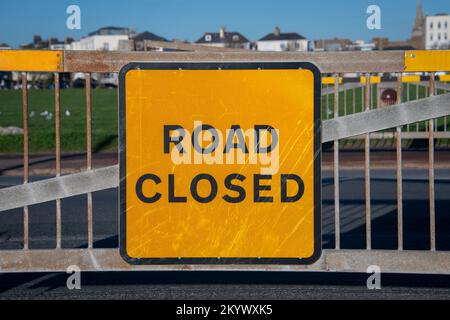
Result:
<point x="220" y="163"/>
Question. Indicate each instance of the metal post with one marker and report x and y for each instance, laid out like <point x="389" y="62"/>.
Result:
<point x="325" y="100"/>
<point x="367" y="170"/>
<point x="89" y="155"/>
<point x="431" y="173"/>
<point x="25" y="157"/>
<point x="407" y="90"/>
<point x="417" y="98"/>
<point x="58" y="157"/>
<point x="363" y="93"/>
<point x="377" y="98"/>
<point x="345" y="102"/>
<point x="336" y="168"/>
<point x="354" y="100"/>
<point x="328" y="106"/>
<point x="399" y="172"/>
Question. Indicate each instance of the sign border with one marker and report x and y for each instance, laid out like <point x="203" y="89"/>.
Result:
<point x="222" y="66"/>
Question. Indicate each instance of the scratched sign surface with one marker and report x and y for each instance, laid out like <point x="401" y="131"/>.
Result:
<point x="220" y="163"/>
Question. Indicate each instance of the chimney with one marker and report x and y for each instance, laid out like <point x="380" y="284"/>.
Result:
<point x="222" y="32"/>
<point x="37" y="39"/>
<point x="277" y="31"/>
<point x="68" y="40"/>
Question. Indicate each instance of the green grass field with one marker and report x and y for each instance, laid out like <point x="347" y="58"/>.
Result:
<point x="104" y="118"/>
<point x="73" y="127"/>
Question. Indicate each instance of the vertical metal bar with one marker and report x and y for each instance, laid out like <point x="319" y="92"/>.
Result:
<point x="25" y="156"/>
<point x="363" y="92"/>
<point x="408" y="86"/>
<point x="89" y="155"/>
<point x="443" y="91"/>
<point x="345" y="102"/>
<point x="328" y="106"/>
<point x="445" y="124"/>
<point x="353" y="100"/>
<point x="367" y="170"/>
<point x="336" y="168"/>
<point x="399" y="173"/>
<point x="377" y="95"/>
<point x="324" y="88"/>
<point x="417" y="91"/>
<point x="407" y="89"/>
<point x="417" y="98"/>
<point x="58" y="157"/>
<point x="431" y="173"/>
<point x="435" y="120"/>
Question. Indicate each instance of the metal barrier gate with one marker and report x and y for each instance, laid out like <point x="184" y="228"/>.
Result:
<point x="336" y="127"/>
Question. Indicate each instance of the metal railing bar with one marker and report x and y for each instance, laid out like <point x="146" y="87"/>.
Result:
<point x="89" y="156"/>
<point x="325" y="101"/>
<point x="345" y="102"/>
<point x="354" y="100"/>
<point x="416" y="126"/>
<point x="363" y="90"/>
<point x="336" y="167"/>
<point x="431" y="172"/>
<point x="58" y="156"/>
<point x="328" y="106"/>
<point x="386" y="118"/>
<point x="25" y="157"/>
<point x="328" y="89"/>
<point x="177" y="45"/>
<point x="408" y="88"/>
<point x="377" y="96"/>
<point x="367" y="169"/>
<point x="405" y="135"/>
<point x="59" y="187"/>
<point x="399" y="172"/>
<point x="327" y="62"/>
<point x="391" y="261"/>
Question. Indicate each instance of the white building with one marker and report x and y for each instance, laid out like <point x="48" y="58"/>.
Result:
<point x="60" y="46"/>
<point x="224" y="39"/>
<point x="106" y="39"/>
<point x="361" y="45"/>
<point x="278" y="41"/>
<point x="437" y="31"/>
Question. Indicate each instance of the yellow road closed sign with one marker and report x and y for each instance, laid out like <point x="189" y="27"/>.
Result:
<point x="220" y="163"/>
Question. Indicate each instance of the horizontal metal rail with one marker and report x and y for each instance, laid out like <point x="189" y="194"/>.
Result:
<point x="425" y="262"/>
<point x="328" y="62"/>
<point x="405" y="135"/>
<point x="342" y="88"/>
<point x="97" y="61"/>
<point x="31" y="60"/>
<point x="182" y="46"/>
<point x="386" y="118"/>
<point x="59" y="187"/>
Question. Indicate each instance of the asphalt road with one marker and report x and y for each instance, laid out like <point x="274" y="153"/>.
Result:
<point x="205" y="285"/>
<point x="223" y="286"/>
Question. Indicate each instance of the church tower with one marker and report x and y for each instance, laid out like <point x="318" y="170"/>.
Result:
<point x="418" y="33"/>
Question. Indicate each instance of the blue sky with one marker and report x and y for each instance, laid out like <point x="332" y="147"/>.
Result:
<point x="188" y="20"/>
